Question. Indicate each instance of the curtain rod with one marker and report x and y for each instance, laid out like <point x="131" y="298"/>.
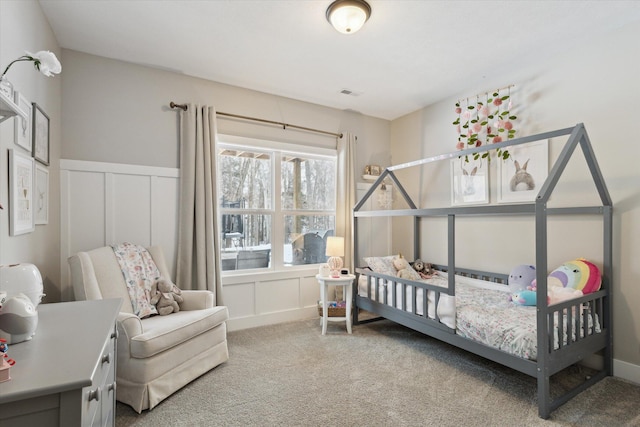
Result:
<point x="271" y="122"/>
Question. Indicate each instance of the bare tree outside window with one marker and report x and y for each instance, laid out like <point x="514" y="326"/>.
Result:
<point x="304" y="206"/>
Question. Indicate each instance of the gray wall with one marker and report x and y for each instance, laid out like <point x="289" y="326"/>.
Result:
<point x="24" y="27"/>
<point x="597" y="85"/>
<point x="119" y="112"/>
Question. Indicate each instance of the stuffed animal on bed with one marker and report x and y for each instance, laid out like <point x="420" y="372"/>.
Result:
<point x="423" y="269"/>
<point x="524" y="297"/>
<point x="403" y="268"/>
<point x="571" y="280"/>
<point x="578" y="274"/>
<point x="521" y="277"/>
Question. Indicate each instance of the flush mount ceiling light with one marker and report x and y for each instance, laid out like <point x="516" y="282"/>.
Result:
<point x="348" y="16"/>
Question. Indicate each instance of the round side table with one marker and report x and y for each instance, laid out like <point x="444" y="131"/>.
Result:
<point x="346" y="282"/>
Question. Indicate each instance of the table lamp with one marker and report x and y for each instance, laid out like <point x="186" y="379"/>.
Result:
<point x="335" y="250"/>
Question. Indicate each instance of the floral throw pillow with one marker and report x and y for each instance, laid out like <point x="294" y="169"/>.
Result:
<point x="382" y="265"/>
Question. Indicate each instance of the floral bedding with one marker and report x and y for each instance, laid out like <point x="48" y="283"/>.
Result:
<point x="484" y="313"/>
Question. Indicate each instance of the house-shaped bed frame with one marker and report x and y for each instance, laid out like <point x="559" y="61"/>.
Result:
<point x="550" y="360"/>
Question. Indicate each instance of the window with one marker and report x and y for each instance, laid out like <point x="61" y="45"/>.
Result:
<point x="277" y="204"/>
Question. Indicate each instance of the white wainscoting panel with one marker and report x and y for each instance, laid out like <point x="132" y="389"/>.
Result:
<point x="109" y="203"/>
<point x="106" y="203"/>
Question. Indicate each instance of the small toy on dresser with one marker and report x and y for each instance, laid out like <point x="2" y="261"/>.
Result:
<point x="5" y="362"/>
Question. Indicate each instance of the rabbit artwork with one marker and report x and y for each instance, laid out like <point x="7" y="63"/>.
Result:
<point x="467" y="181"/>
<point x="522" y="180"/>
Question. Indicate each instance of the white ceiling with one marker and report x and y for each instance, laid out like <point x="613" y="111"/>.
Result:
<point x="408" y="55"/>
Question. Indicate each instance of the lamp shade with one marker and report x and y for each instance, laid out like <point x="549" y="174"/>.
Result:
<point x="348" y="16"/>
<point x="335" y="246"/>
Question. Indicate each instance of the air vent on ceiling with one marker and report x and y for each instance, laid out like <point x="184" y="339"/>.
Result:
<point x="349" y="92"/>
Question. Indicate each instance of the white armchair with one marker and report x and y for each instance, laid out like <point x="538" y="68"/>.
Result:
<point x="157" y="355"/>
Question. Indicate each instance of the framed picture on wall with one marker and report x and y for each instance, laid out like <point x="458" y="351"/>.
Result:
<point x="20" y="193"/>
<point x="40" y="131"/>
<point x="41" y="195"/>
<point x="22" y="126"/>
<point x="469" y="181"/>
<point x="522" y="174"/>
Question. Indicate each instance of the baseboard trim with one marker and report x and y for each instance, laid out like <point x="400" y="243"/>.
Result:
<point x="271" y="318"/>
<point x="627" y="371"/>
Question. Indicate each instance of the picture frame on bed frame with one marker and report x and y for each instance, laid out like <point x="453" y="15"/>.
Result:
<point x="522" y="174"/>
<point x="469" y="181"/>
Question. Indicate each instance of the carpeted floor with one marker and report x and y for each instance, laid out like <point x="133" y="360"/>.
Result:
<point x="381" y="375"/>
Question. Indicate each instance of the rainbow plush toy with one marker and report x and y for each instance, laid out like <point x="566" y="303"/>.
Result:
<point x="571" y="280"/>
<point x="578" y="274"/>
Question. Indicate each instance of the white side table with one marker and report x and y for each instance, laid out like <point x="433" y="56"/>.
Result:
<point x="345" y="281"/>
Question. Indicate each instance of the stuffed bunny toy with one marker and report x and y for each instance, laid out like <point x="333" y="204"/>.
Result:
<point x="166" y="296"/>
<point x="522" y="180"/>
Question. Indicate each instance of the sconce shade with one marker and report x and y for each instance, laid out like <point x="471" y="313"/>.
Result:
<point x="348" y="16"/>
<point x="335" y="246"/>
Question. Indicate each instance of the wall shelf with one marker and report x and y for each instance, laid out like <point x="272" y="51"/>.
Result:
<point x="8" y="109"/>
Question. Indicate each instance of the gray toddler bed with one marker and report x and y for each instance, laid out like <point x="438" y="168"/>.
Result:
<point x="563" y="334"/>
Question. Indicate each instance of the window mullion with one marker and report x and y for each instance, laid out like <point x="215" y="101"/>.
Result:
<point x="277" y="220"/>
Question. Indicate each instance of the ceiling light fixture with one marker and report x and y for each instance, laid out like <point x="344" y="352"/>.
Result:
<point x="348" y="16"/>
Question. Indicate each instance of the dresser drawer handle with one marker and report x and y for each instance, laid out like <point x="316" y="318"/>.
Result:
<point x="106" y="358"/>
<point x="114" y="335"/>
<point x="111" y="387"/>
<point x="94" y="395"/>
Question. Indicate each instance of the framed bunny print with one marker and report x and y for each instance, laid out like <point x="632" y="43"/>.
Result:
<point x="523" y="173"/>
<point x="469" y="181"/>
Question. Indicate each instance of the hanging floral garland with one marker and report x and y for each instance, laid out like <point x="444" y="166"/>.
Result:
<point x="488" y="120"/>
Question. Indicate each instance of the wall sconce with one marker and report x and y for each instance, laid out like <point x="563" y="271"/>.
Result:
<point x="348" y="16"/>
<point x="335" y="250"/>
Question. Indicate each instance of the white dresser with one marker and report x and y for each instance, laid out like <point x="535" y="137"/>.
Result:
<point x="65" y="375"/>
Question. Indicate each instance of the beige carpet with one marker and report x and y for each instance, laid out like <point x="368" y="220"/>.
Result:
<point x="381" y="375"/>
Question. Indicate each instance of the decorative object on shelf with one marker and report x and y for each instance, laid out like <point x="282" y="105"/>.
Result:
<point x="385" y="196"/>
<point x="22" y="131"/>
<point x="41" y="195"/>
<point x="487" y="120"/>
<point x="469" y="182"/>
<point x="521" y="175"/>
<point x="335" y="250"/>
<point x="348" y="16"/>
<point x="44" y="61"/>
<point x="6" y="87"/>
<point x="371" y="172"/>
<point x="20" y="193"/>
<point x="40" y="133"/>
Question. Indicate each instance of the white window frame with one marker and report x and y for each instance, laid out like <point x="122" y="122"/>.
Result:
<point x="275" y="149"/>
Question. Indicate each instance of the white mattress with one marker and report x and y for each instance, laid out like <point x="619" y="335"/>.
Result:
<point x="481" y="311"/>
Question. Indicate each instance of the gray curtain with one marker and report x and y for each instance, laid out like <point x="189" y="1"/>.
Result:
<point x="198" y="266"/>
